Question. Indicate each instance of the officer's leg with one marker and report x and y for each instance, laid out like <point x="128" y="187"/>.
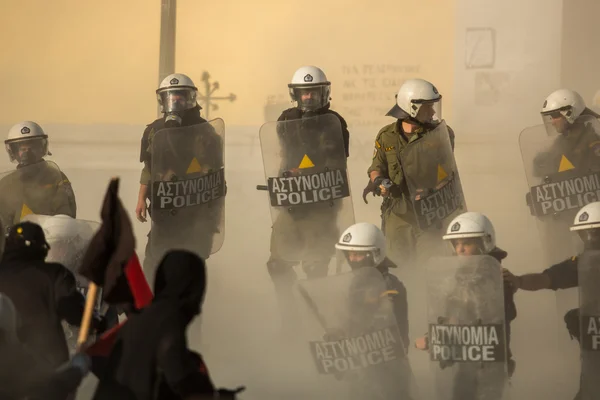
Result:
<point x="281" y="266"/>
<point x="400" y="240"/>
<point x="283" y="277"/>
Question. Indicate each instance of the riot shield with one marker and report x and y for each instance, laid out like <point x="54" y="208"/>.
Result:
<point x="563" y="175"/>
<point x="188" y="189"/>
<point x="467" y="338"/>
<point x="34" y="189"/>
<point x="68" y="239"/>
<point x="433" y="180"/>
<point x="355" y="346"/>
<point x="309" y="191"/>
<point x="589" y="312"/>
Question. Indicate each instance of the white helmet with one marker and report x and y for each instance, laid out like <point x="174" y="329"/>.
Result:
<point x="176" y="92"/>
<point x="364" y="237"/>
<point x="412" y="95"/>
<point x="473" y="225"/>
<point x="588" y="217"/>
<point x="563" y="102"/>
<point x="26" y="143"/>
<point x="310" y="80"/>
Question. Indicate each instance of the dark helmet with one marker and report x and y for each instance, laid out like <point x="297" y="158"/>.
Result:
<point x="27" y="236"/>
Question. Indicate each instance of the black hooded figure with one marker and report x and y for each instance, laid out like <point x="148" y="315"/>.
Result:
<point x="43" y="293"/>
<point x="150" y="358"/>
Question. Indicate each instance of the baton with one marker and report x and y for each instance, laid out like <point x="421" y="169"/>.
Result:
<point x="262" y="187"/>
<point x="313" y="307"/>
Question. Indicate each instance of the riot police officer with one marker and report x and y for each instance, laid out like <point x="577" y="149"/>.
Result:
<point x="363" y="245"/>
<point x="37" y="186"/>
<point x="167" y="156"/>
<point x="418" y="111"/>
<point x="314" y="227"/>
<point x="564" y="113"/>
<point x="470" y="234"/>
<point x="565" y="275"/>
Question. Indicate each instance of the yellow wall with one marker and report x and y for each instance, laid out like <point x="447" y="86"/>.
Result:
<point x="72" y="61"/>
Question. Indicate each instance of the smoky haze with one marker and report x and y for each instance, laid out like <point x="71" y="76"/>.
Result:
<point x="87" y="73"/>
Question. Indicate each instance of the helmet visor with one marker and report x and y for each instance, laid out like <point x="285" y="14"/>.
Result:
<point x="176" y="100"/>
<point x="428" y="111"/>
<point x="310" y="98"/>
<point x="27" y="151"/>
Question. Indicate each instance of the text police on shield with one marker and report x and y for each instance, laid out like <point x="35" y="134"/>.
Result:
<point x="359" y="352"/>
<point x="189" y="192"/>
<point x="467" y="343"/>
<point x="590" y="335"/>
<point x="567" y="194"/>
<point x="308" y="189"/>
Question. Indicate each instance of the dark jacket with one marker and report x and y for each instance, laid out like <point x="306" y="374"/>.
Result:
<point x="510" y="308"/>
<point x="399" y="299"/>
<point x="188" y="118"/>
<point x="296" y="113"/>
<point x="150" y="354"/>
<point x="43" y="294"/>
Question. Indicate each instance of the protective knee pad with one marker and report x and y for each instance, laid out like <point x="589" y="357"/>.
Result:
<point x="315" y="269"/>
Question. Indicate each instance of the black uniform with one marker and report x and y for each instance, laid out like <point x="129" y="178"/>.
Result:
<point x="44" y="294"/>
<point x="167" y="237"/>
<point x="510" y="308"/>
<point x="280" y="270"/>
<point x="296" y="113"/>
<point x="150" y="354"/>
<point x="564" y="275"/>
<point x="399" y="299"/>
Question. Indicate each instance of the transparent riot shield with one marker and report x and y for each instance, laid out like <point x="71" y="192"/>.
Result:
<point x="355" y="345"/>
<point x="467" y="338"/>
<point x="34" y="189"/>
<point x="589" y="312"/>
<point x="563" y="175"/>
<point x="188" y="190"/>
<point x="68" y="239"/>
<point x="309" y="191"/>
<point x="433" y="180"/>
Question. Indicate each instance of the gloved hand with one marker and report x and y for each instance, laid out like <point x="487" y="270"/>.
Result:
<point x="99" y="323"/>
<point x="81" y="361"/>
<point x="380" y="182"/>
<point x="228" y="394"/>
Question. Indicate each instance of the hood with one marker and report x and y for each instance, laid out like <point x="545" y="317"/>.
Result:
<point x="181" y="277"/>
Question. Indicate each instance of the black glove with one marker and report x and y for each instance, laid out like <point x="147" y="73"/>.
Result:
<point x="572" y="322"/>
<point x="99" y="324"/>
<point x="370" y="188"/>
<point x="229" y="394"/>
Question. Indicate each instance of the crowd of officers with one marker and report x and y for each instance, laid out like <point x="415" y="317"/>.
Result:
<point x="36" y="362"/>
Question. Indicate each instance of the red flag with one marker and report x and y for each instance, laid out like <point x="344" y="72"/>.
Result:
<point x="142" y="296"/>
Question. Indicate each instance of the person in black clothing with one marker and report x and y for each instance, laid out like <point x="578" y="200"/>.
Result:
<point x="43" y="293"/>
<point x="312" y="129"/>
<point x="565" y="275"/>
<point x="22" y="375"/>
<point x="150" y="356"/>
<point x="179" y="152"/>
<point x="472" y="233"/>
